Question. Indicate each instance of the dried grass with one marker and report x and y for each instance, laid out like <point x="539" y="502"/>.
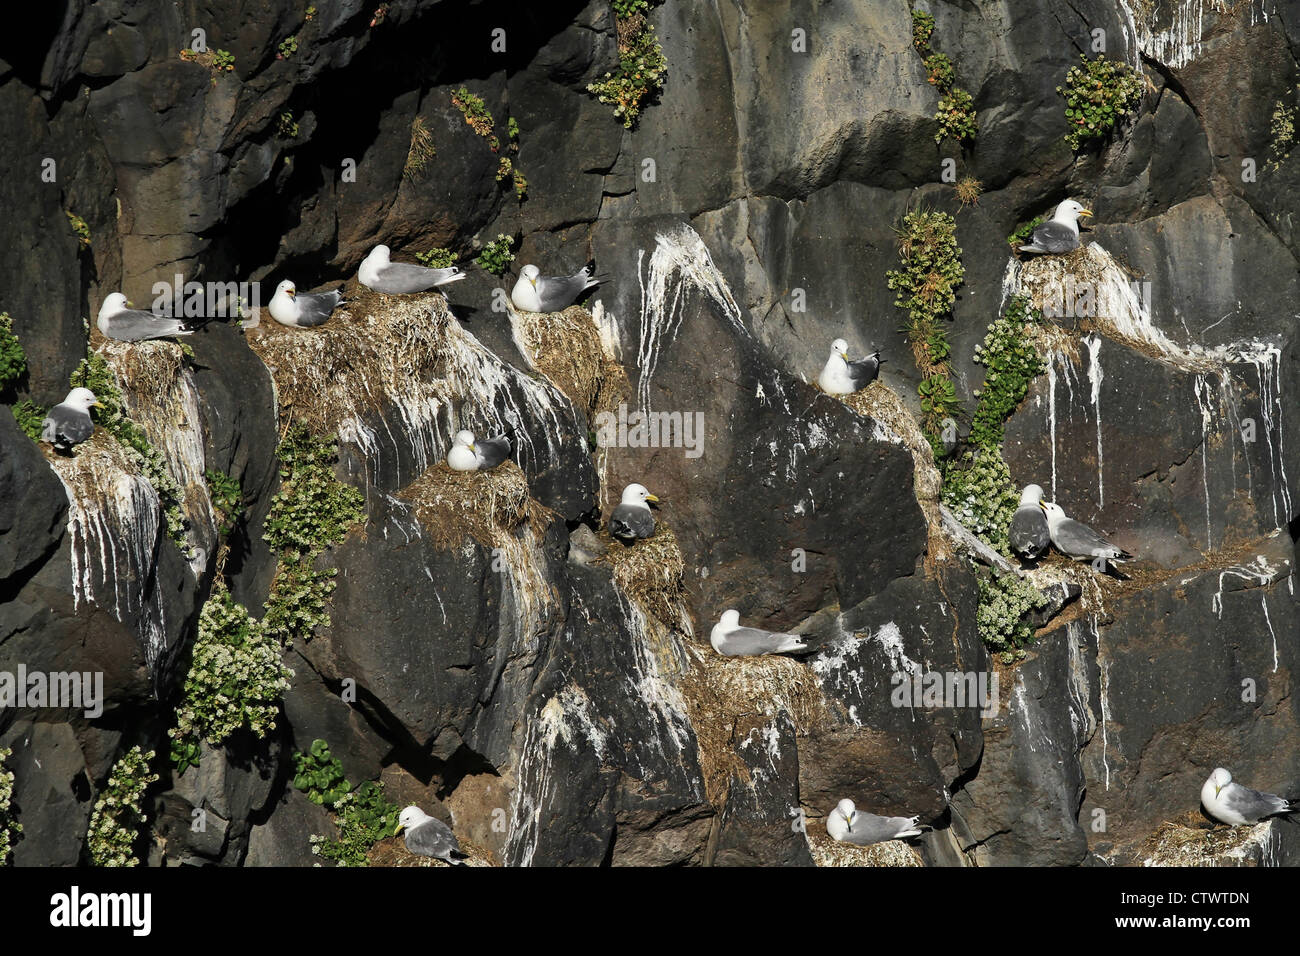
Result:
<point x="829" y="852"/>
<point x="650" y="573"/>
<point x="1182" y="844"/>
<point x="565" y="347"/>
<point x="485" y="505"/>
<point x="392" y="851"/>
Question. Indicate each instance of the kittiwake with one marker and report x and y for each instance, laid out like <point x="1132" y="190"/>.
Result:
<point x="848" y="825"/>
<point x="429" y="836"/>
<point x="632" y="518"/>
<point x="1061" y="232"/>
<point x="1074" y="539"/>
<point x="68" y="423"/>
<point x="1029" y="534"/>
<point x="303" y="310"/>
<point x="535" y="292"/>
<point x="470" y="454"/>
<point x="730" y="639"/>
<point x="1230" y="802"/>
<point x="117" y="320"/>
<point x="842" y="376"/>
<point x="401" y="278"/>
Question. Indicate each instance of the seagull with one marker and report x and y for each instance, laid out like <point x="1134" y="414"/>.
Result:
<point x="429" y="836"/>
<point x="1061" y="232"/>
<point x="468" y="454"/>
<point x="847" y="825"/>
<point x="1074" y="539"/>
<point x="1029" y="534"/>
<point x="731" y="640"/>
<point x="535" y="292"/>
<point x="1234" y="804"/>
<point x="304" y="310"/>
<point x="68" y="423"/>
<point x="840" y="376"/>
<point x="118" y="321"/>
<point x="632" y="518"/>
<point x="401" y="278"/>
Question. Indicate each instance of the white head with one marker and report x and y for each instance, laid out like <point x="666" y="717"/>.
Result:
<point x="379" y="254"/>
<point x="730" y="619"/>
<point x="287" y="288"/>
<point x="531" y="274"/>
<point x="113" y="303"/>
<point x="846" y="809"/>
<point x="1055" y="513"/>
<point x="82" y="398"/>
<point x="410" y="817"/>
<point x="637" y="495"/>
<point x="1032" y="495"/>
<point x="841" y="348"/>
<point x="1219" y="779"/>
<point x="465" y="437"/>
<point x="1070" y="211"/>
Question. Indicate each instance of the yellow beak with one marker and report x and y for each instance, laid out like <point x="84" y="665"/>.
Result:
<point x="130" y="304"/>
<point x="1085" y="212"/>
<point x="652" y="498"/>
<point x="400" y="828"/>
<point x="291" y="292"/>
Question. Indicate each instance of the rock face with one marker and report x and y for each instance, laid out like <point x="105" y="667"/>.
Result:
<point x="551" y="691"/>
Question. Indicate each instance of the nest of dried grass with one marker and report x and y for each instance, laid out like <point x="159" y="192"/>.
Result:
<point x="150" y="372"/>
<point x="485" y="505"/>
<point x="392" y="851"/>
<point x="829" y="852"/>
<point x="1179" y="844"/>
<point x="650" y="572"/>
<point x="565" y="347"/>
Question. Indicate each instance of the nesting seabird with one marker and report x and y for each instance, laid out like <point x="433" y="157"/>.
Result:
<point x="1029" y="533"/>
<point x="1230" y="802"/>
<point x="470" y="454"/>
<point x="1074" y="539"/>
<point x="302" y="310"/>
<point x="632" y="518"/>
<point x="849" y="825"/>
<point x="401" y="278"/>
<point x="117" y="320"/>
<point x="429" y="836"/>
<point x="1061" y="232"/>
<point x="842" y="376"/>
<point x="535" y="292"/>
<point x="68" y="423"/>
<point x="730" y="639"/>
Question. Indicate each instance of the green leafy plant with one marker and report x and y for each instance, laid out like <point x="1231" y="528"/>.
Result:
<point x="223" y="61"/>
<point x="320" y="775"/>
<point x="1282" y="133"/>
<point x="505" y="169"/>
<point x="30" y="418"/>
<point x="312" y="511"/>
<point x="437" y="258"/>
<point x="1000" y="617"/>
<point x="80" y="229"/>
<point x="227" y="499"/>
<point x="474" y="110"/>
<point x="235" y="682"/>
<point x="512" y="130"/>
<point x="1098" y="94"/>
<point x="925" y="289"/>
<point x="521" y="184"/>
<point x="363" y="816"/>
<point x="13" y="359"/>
<point x="1024" y="232"/>
<point x="977" y="489"/>
<point x="310" y="14"/>
<point x="286" y="126"/>
<point x="117" y="817"/>
<point x="956" y="110"/>
<point x="1012" y="363"/>
<point x="95" y="374"/>
<point x="496" y="255"/>
<point x="9" y="826"/>
<point x="287" y="48"/>
<point x="922" y="29"/>
<point x="641" y="64"/>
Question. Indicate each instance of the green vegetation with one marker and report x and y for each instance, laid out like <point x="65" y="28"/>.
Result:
<point x="496" y="255"/>
<point x="236" y="680"/>
<point x="30" y="418"/>
<point x="437" y="258"/>
<point x="641" y="63"/>
<point x="421" y="149"/>
<point x="926" y="289"/>
<point x="9" y="827"/>
<point x="363" y="816"/>
<point x="312" y="511"/>
<point x="117" y="818"/>
<point x="977" y="489"/>
<point x="1282" y="133"/>
<point x="227" y="499"/>
<point x="956" y="111"/>
<point x="512" y="130"/>
<point x="1098" y="94"/>
<point x="80" y="228"/>
<point x="94" y="373"/>
<point x="1004" y="601"/>
<point x="310" y="14"/>
<point x="287" y="48"/>
<point x="13" y="360"/>
<point x="286" y="126"/>
<point x="1024" y="232"/>
<point x="475" y="112"/>
<point x="479" y="117"/>
<point x="223" y="61"/>
<point x="1012" y="363"/>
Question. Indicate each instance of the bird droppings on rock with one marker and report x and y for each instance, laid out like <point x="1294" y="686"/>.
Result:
<point x="565" y="347"/>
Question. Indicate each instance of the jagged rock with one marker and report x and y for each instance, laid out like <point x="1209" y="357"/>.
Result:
<point x="52" y="795"/>
<point x="284" y="839"/>
<point x="33" y="507"/>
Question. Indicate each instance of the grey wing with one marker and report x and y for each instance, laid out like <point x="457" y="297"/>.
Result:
<point x="402" y="278"/>
<point x="1252" y="804"/>
<point x="559" y="292"/>
<point x="432" y="838"/>
<point x="315" y="308"/>
<point x="1053" y="236"/>
<point x="630" y="522"/>
<point x="492" y="451"/>
<point x="750" y="641"/>
<point x="864" y="371"/>
<point x="66" y="426"/>
<point x="136" y="325"/>
<point x="1028" y="532"/>
<point x="1078" y="540"/>
<point x="870" y="828"/>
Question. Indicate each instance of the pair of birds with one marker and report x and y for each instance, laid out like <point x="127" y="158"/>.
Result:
<point x="1038" y="523"/>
